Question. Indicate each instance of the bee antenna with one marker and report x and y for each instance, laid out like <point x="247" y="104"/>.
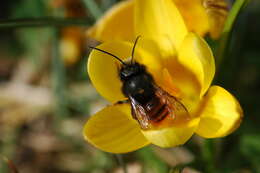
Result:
<point x="133" y="50"/>
<point x="108" y="54"/>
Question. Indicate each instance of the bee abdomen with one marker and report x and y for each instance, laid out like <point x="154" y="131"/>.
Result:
<point x="158" y="113"/>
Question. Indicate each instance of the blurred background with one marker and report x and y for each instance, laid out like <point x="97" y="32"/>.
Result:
<point x="46" y="96"/>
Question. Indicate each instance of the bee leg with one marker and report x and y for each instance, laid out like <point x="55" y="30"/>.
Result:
<point x="123" y="102"/>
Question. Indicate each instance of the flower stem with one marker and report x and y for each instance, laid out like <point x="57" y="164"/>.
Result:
<point x="227" y="31"/>
<point x="152" y="161"/>
<point x="11" y="165"/>
<point x="58" y="78"/>
<point x="46" y="21"/>
<point x="121" y="162"/>
<point x="208" y="156"/>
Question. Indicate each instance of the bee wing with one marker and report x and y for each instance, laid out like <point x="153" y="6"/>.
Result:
<point x="177" y="111"/>
<point x="161" y="111"/>
<point x="176" y="105"/>
<point x="136" y="109"/>
<point x="139" y="113"/>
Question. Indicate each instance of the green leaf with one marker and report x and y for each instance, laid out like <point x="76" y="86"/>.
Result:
<point x="227" y="31"/>
<point x="43" y="22"/>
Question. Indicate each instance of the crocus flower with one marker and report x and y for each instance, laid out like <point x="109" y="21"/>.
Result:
<point x="200" y="16"/>
<point x="180" y="62"/>
<point x="72" y="42"/>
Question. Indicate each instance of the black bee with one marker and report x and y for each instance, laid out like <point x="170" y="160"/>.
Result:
<point x="151" y="106"/>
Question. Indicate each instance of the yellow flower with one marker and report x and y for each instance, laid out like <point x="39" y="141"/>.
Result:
<point x="181" y="63"/>
<point x="72" y="42"/>
<point x="200" y="16"/>
<point x="71" y="45"/>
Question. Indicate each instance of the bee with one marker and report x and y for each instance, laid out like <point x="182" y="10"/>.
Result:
<point x="151" y="106"/>
<point x="217" y="11"/>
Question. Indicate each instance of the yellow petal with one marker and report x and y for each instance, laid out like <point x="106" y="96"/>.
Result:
<point x="194" y="14"/>
<point x="195" y="55"/>
<point x="116" y="24"/>
<point x="157" y="19"/>
<point x="220" y="114"/>
<point x="113" y="130"/>
<point x="181" y="83"/>
<point x="173" y="136"/>
<point x="103" y="69"/>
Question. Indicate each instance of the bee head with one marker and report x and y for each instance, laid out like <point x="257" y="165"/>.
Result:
<point x="130" y="70"/>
